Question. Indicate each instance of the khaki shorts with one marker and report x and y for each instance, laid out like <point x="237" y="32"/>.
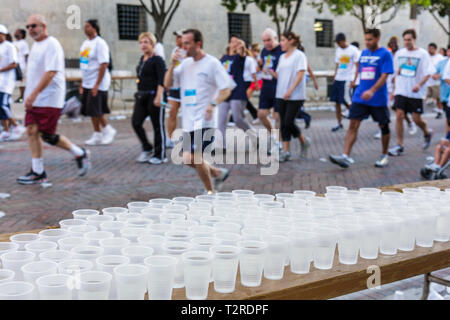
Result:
<point x="434" y="92"/>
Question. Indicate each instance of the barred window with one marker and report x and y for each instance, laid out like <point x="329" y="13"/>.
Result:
<point x="132" y="21"/>
<point x="239" y="24"/>
<point x="324" y="33"/>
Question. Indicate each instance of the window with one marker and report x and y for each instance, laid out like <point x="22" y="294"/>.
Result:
<point x="239" y="24"/>
<point x="132" y="21"/>
<point x="324" y="33"/>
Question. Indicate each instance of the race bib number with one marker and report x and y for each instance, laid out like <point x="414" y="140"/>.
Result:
<point x="408" y="66"/>
<point x="190" y="98"/>
<point x="368" y="73"/>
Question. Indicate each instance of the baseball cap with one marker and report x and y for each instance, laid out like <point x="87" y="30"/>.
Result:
<point x="340" y="37"/>
<point x="178" y="33"/>
<point x="3" y="29"/>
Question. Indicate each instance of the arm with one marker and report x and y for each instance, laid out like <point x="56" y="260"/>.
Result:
<point x="298" y="79"/>
<point x="160" y="72"/>
<point x="313" y="77"/>
<point x="417" y="87"/>
<point x="221" y="97"/>
<point x="353" y="84"/>
<point x="45" y="81"/>
<point x="367" y="95"/>
<point x="9" y="67"/>
<point x="168" y="79"/>
<point x="101" y="74"/>
<point x="335" y="71"/>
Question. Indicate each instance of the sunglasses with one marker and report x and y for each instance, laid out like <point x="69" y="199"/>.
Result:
<point x="31" y="26"/>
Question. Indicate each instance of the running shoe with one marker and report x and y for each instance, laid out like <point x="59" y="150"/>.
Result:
<point x="145" y="156"/>
<point x="412" y="128"/>
<point x="19" y="100"/>
<point x="342" y="161"/>
<point x="108" y="135"/>
<point x="305" y="147"/>
<point x="337" y="128"/>
<point x="158" y="161"/>
<point x="221" y="178"/>
<point x="5" y="136"/>
<point x="95" y="140"/>
<point x="32" y="178"/>
<point x="284" y="156"/>
<point x="377" y="135"/>
<point x="433" y="167"/>
<point x="84" y="163"/>
<point x="345" y="114"/>
<point x="396" y="151"/>
<point x="439" y="114"/>
<point x="428" y="139"/>
<point x="382" y="162"/>
<point x="169" y="143"/>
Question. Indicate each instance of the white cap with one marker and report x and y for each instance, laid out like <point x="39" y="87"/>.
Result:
<point x="3" y="29"/>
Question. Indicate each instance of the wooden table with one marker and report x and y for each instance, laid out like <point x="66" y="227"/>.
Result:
<point x="342" y="279"/>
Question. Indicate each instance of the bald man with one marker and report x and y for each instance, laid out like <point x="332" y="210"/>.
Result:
<point x="44" y="99"/>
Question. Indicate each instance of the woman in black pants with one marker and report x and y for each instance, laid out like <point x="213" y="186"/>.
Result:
<point x="149" y="101"/>
<point x="291" y="92"/>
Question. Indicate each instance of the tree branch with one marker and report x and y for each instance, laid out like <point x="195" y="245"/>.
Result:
<point x="146" y="8"/>
<point x="392" y="16"/>
<point x="439" y="22"/>
<point x="170" y="15"/>
<point x="297" y="9"/>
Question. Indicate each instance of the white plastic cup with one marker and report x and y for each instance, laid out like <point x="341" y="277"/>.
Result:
<point x="184" y="224"/>
<point x="153" y="214"/>
<point x="196" y="214"/>
<point x="53" y="234"/>
<point x="161" y="277"/>
<point x="304" y="194"/>
<point x="96" y="221"/>
<point x="7" y="247"/>
<point x="73" y="268"/>
<point x="176" y="249"/>
<point x="443" y="224"/>
<point x="251" y="233"/>
<point x="72" y="242"/>
<point x="202" y="231"/>
<point x="131" y="281"/>
<point x="55" y="255"/>
<point x="67" y="223"/>
<point x="95" y="236"/>
<point x="23" y="238"/>
<point x="390" y="235"/>
<point x="271" y="204"/>
<point x="324" y="247"/>
<point x="168" y="218"/>
<point x="370" y="238"/>
<point x="159" y="229"/>
<point x="17" y="290"/>
<point x="426" y="229"/>
<point x="336" y="189"/>
<point x="349" y="243"/>
<point x="55" y="287"/>
<point x="200" y="206"/>
<point x="6" y="275"/>
<point x="137" y="254"/>
<point x="94" y="285"/>
<point x="197" y="270"/>
<point x="14" y="260"/>
<point x="243" y="193"/>
<point x="408" y="230"/>
<point x="107" y="264"/>
<point x="113" y="246"/>
<point x="80" y="231"/>
<point x="206" y="198"/>
<point x="89" y="253"/>
<point x="127" y="216"/>
<point x="225" y="267"/>
<point x="301" y="251"/>
<point x="139" y="223"/>
<point x="178" y="235"/>
<point x="182" y="200"/>
<point x="36" y="269"/>
<point x="133" y="234"/>
<point x="228" y="238"/>
<point x="113" y="226"/>
<point x="114" y="212"/>
<point x="160" y="203"/>
<point x="211" y="220"/>
<point x="276" y="255"/>
<point x="137" y="206"/>
<point x="83" y="214"/>
<point x="204" y="243"/>
<point x="37" y="247"/>
<point x="251" y="262"/>
<point x="154" y="242"/>
<point x="227" y="227"/>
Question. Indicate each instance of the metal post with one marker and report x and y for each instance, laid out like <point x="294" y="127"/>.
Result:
<point x="426" y="286"/>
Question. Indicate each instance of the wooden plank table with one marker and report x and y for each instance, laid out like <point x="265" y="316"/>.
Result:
<point x="341" y="279"/>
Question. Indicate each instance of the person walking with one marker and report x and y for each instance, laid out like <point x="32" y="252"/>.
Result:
<point x="23" y="50"/>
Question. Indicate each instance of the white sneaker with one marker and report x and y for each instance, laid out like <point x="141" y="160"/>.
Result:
<point x="19" y="130"/>
<point x="95" y="140"/>
<point x="377" y="135"/>
<point x="108" y="135"/>
<point x="144" y="157"/>
<point x="345" y="114"/>
<point x="157" y="161"/>
<point x="412" y="128"/>
<point x="256" y="121"/>
<point x="5" y="136"/>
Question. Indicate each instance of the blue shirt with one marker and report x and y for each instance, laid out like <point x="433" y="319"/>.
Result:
<point x="270" y="61"/>
<point x="445" y="88"/>
<point x="234" y="65"/>
<point x="371" y="66"/>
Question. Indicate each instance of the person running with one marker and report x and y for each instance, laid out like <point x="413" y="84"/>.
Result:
<point x="434" y="85"/>
<point x="370" y="98"/>
<point x="444" y="87"/>
<point x="291" y="92"/>
<point x="174" y="94"/>
<point x="204" y="84"/>
<point x="302" y="114"/>
<point x="23" y="50"/>
<point x="269" y="58"/>
<point x="346" y="56"/>
<point x="254" y="52"/>
<point x="44" y="99"/>
<point x="413" y="68"/>
<point x="149" y="99"/>
<point x="96" y="80"/>
<point x="250" y="77"/>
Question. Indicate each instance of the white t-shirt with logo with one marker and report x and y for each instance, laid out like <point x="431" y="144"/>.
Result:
<point x="94" y="53"/>
<point x="434" y="62"/>
<point x="8" y="56"/>
<point x="199" y="83"/>
<point x="410" y="67"/>
<point x="22" y="50"/>
<point x="346" y="59"/>
<point x="287" y="71"/>
<point x="47" y="55"/>
<point x="250" y="68"/>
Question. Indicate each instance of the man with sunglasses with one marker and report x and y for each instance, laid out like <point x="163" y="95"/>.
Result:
<point x="44" y="99"/>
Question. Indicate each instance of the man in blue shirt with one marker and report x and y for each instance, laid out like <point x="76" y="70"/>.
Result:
<point x="445" y="88"/>
<point x="370" y="98"/>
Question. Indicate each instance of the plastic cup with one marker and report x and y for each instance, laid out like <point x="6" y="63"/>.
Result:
<point x="204" y="243"/>
<point x="264" y="197"/>
<point x="228" y="238"/>
<point x="202" y="231"/>
<point x="136" y="207"/>
<point x="23" y="238"/>
<point x="89" y="253"/>
<point x="251" y="262"/>
<point x="84" y="214"/>
<point x="211" y="220"/>
<point x="138" y="223"/>
<point x="153" y="214"/>
<point x="16" y="290"/>
<point x="56" y="256"/>
<point x="137" y="254"/>
<point x="200" y="206"/>
<point x="390" y="235"/>
<point x="243" y="193"/>
<point x="324" y="247"/>
<point x="224" y="267"/>
<point x="94" y="285"/>
<point x="250" y="233"/>
<point x="443" y="224"/>
<point x="80" y="231"/>
<point x="73" y="267"/>
<point x="178" y="235"/>
<point x="301" y="251"/>
<point x="7" y="247"/>
<point x="159" y="229"/>
<point x="96" y="221"/>
<point x="154" y="242"/>
<point x="53" y="234"/>
<point x="114" y="246"/>
<point x="197" y="267"/>
<point x="184" y="224"/>
<point x="113" y="226"/>
<point x="349" y="243"/>
<point x="36" y="269"/>
<point x="276" y="255"/>
<point x="6" y="275"/>
<point x="335" y="189"/>
<point x="225" y="196"/>
<point x="182" y="200"/>
<point x="176" y="209"/>
<point x="133" y="234"/>
<point x="131" y="281"/>
<point x="66" y="224"/>
<point x="176" y="249"/>
<point x="127" y="216"/>
<point x="107" y="264"/>
<point x="370" y="238"/>
<point x="168" y="218"/>
<point x="161" y="277"/>
<point x="160" y="203"/>
<point x="55" y="287"/>
<point x="114" y="211"/>
<point x="37" y="247"/>
<point x="94" y="237"/>
<point x="227" y="227"/>
<point x="271" y="204"/>
<point x="426" y="229"/>
<point x="14" y="260"/>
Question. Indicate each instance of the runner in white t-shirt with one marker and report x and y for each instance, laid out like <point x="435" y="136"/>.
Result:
<point x="44" y="100"/>
<point x="434" y="86"/>
<point x="96" y="80"/>
<point x="204" y="83"/>
<point x="412" y="69"/>
<point x="23" y="50"/>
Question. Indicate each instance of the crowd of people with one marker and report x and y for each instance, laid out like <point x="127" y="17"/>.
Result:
<point x="375" y="79"/>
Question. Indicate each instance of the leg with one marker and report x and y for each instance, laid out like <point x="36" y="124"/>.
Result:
<point x="385" y="138"/>
<point x="96" y="124"/>
<point x="237" y="110"/>
<point x="263" y="116"/>
<point x="139" y="115"/>
<point x="22" y="92"/>
<point x="103" y="121"/>
<point x="352" y="135"/>
<point x="399" y="126"/>
<point x="5" y="124"/>
<point x="34" y="141"/>
<point x="224" y="108"/>
<point x="445" y="157"/>
<point x="157" y="117"/>
<point x="204" y="170"/>
<point x="172" y="121"/>
<point x="289" y="120"/>
<point x="421" y="123"/>
<point x="251" y="108"/>
<point x="338" y="113"/>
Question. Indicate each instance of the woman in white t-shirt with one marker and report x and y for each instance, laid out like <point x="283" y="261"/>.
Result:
<point x="291" y="91"/>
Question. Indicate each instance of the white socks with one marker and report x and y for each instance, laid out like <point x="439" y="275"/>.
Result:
<point x="76" y="150"/>
<point x="37" y="165"/>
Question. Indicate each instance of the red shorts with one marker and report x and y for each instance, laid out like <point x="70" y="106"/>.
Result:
<point x="46" y="118"/>
<point x="252" y="86"/>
